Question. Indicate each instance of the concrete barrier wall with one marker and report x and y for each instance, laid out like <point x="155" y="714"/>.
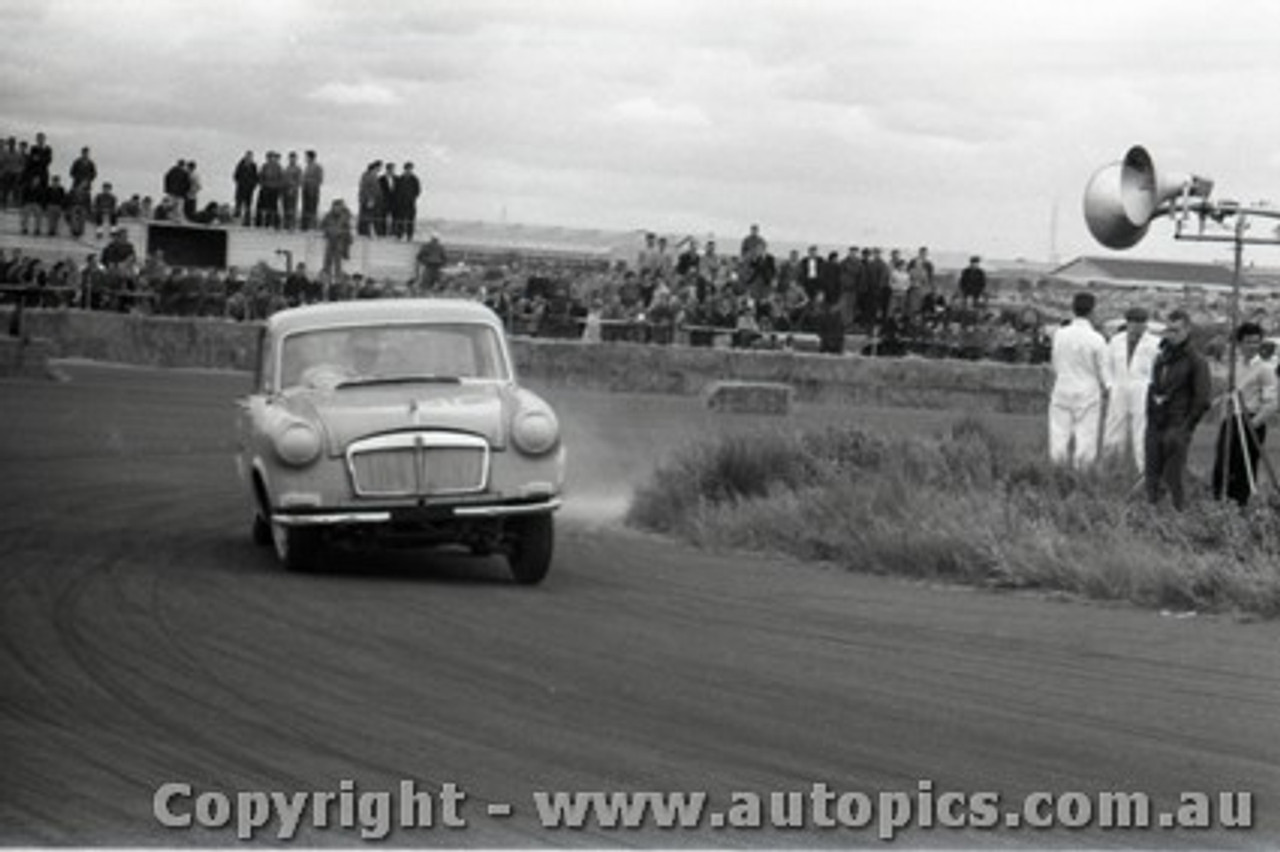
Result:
<point x="151" y="341"/>
<point x="619" y="367"/>
<point x="909" y="382"/>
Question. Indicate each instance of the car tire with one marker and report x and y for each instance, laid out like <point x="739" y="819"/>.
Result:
<point x="531" y="541"/>
<point x="297" y="548"/>
<point x="261" y="531"/>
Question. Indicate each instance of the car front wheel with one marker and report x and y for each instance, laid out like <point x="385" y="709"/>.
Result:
<point x="531" y="540"/>
<point x="297" y="548"/>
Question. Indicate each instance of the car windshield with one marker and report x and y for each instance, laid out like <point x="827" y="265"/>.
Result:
<point x="355" y="355"/>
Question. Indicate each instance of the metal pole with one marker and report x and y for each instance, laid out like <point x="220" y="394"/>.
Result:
<point x="1233" y="409"/>
<point x="1238" y="245"/>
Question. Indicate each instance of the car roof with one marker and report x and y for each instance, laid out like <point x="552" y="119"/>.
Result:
<point x="376" y="311"/>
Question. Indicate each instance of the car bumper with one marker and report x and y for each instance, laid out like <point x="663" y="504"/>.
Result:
<point x="477" y="511"/>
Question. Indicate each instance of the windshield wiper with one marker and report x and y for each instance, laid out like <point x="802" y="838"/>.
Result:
<point x="400" y="380"/>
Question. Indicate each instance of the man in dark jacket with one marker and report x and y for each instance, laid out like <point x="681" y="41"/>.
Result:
<point x="404" y="203"/>
<point x="246" y="180"/>
<point x="55" y="204"/>
<point x="39" y="160"/>
<point x="177" y="185"/>
<point x="1178" y="397"/>
<point x="83" y="171"/>
<point x="973" y="283"/>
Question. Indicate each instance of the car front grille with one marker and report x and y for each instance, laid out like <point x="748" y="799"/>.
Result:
<point x="418" y="464"/>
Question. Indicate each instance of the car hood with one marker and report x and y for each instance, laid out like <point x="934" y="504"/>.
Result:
<point x="349" y="413"/>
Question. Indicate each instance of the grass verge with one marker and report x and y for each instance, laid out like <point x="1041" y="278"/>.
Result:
<point x="969" y="507"/>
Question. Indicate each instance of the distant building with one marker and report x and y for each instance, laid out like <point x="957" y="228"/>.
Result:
<point x="1130" y="272"/>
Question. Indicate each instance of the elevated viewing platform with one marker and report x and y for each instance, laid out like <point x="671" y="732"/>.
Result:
<point x="186" y="244"/>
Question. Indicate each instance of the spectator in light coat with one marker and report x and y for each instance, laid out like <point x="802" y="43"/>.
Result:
<point x="105" y="210"/>
<point x="292" y="188"/>
<point x="271" y="182"/>
<point x="1126" y="372"/>
<point x="369" y="200"/>
<point x="336" y="226"/>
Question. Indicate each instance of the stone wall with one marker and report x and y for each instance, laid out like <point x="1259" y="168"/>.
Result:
<point x="618" y="367"/>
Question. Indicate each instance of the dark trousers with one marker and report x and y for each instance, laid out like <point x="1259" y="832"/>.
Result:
<point x="1166" y="463"/>
<point x="402" y="222"/>
<point x="1235" y="464"/>
<point x="268" y="215"/>
<point x="244" y="205"/>
<point x="310" y="206"/>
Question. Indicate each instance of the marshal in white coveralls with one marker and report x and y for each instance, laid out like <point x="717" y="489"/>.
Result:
<point x="1075" y="406"/>
<point x="1127" y="376"/>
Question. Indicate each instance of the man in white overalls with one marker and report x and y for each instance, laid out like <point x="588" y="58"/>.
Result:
<point x="1126" y="370"/>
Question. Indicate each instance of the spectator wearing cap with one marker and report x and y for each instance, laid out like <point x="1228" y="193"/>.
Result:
<point x="404" y="203"/>
<point x="336" y="227"/>
<point x="292" y="187"/>
<point x="1244" y="428"/>
<point x="1075" y="405"/>
<point x="368" y="199"/>
<point x="105" y="209"/>
<point x="312" y="179"/>
<point x="753" y="244"/>
<point x="270" y="188"/>
<point x="246" y="181"/>
<point x="973" y="283"/>
<point x="83" y="171"/>
<point x="119" y="254"/>
<point x="431" y="263"/>
<point x="1126" y="373"/>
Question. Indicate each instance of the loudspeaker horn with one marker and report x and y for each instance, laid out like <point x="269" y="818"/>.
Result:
<point x="1122" y="198"/>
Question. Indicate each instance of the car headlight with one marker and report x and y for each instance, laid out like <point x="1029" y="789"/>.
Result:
<point x="298" y="443"/>
<point x="535" y="431"/>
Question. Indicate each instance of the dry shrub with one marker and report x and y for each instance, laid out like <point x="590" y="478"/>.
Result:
<point x="966" y="506"/>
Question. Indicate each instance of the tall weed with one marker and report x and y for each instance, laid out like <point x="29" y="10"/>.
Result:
<point x="965" y="506"/>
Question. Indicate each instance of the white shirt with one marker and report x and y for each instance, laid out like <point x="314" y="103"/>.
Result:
<point x="1259" y="388"/>
<point x="1124" y="372"/>
<point x="1077" y="356"/>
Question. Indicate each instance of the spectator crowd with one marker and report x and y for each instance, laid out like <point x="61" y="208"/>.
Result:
<point x="749" y="297"/>
<point x="278" y="194"/>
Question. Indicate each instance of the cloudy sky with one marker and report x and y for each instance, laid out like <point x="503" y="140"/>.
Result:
<point x="967" y="126"/>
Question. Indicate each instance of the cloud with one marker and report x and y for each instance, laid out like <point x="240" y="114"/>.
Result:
<point x="648" y="112"/>
<point x="923" y="120"/>
<point x="355" y="94"/>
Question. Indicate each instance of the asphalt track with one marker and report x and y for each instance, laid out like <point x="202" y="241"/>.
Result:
<point x="145" y="640"/>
